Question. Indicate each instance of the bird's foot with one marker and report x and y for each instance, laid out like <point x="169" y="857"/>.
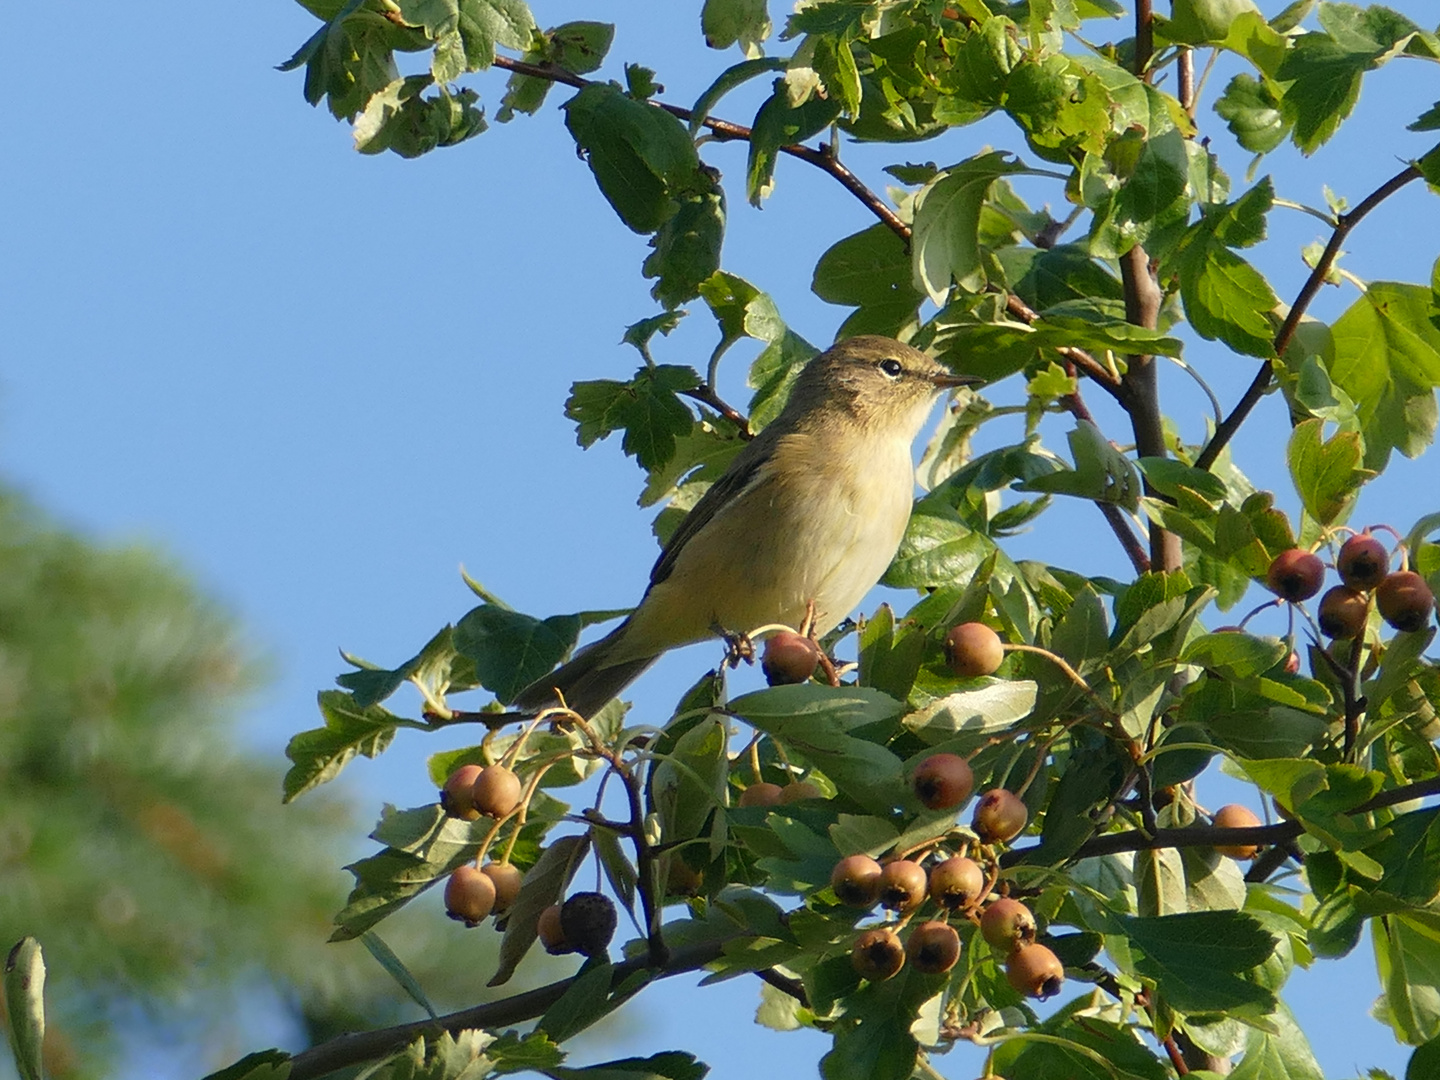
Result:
<point x="738" y="646"/>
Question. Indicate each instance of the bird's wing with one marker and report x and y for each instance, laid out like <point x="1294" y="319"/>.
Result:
<point x="743" y="472"/>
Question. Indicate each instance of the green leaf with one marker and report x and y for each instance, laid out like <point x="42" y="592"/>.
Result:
<point x="263" y="1065"/>
<point x="1235" y="655"/>
<point x="869" y="270"/>
<point x="396" y="969"/>
<point x="318" y="755"/>
<point x="399" y="119"/>
<point x="25" y="1006"/>
<point x="1198" y="958"/>
<point x="579" y="47"/>
<point x="641" y="156"/>
<point x="1425" y="1062"/>
<point x="945" y="243"/>
<point x="668" y="1065"/>
<point x="1387" y="359"/>
<point x="979" y="713"/>
<point x="937" y="549"/>
<point x="1252" y="111"/>
<point x="544" y="885"/>
<point x="1045" y="277"/>
<point x="735" y="22"/>
<point x="689" y="784"/>
<point x="1224" y="296"/>
<point x="728" y="80"/>
<point x="1326" y="474"/>
<point x="511" y="650"/>
<point x="422" y="846"/>
<point x="1283" y="1053"/>
<point x="687" y="247"/>
<point x="1101" y="472"/>
<point x="585" y="1002"/>
<point x="646" y="409"/>
<point x="777" y="124"/>
<point x="1079" y="1048"/>
<point x="772" y="374"/>
<point x="1407" y="956"/>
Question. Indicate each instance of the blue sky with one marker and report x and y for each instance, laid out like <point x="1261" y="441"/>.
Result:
<point x="323" y="381"/>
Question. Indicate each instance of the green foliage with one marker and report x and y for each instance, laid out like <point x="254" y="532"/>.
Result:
<point x="1114" y="697"/>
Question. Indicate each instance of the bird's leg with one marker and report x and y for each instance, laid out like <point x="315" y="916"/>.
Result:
<point x="738" y="646"/>
<point x="807" y="629"/>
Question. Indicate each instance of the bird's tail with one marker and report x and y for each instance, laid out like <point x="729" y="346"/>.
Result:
<point x="588" y="681"/>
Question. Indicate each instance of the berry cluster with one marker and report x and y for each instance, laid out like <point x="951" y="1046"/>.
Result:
<point x="472" y="792"/>
<point x="1402" y="597"/>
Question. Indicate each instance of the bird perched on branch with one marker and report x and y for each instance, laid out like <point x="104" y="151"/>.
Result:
<point x="809" y="513"/>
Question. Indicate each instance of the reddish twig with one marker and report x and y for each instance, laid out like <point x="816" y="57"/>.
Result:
<point x="1343" y="224"/>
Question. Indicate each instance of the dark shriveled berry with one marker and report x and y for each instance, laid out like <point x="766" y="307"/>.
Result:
<point x="1035" y="971"/>
<point x="1000" y="816"/>
<point x="789" y="658"/>
<point x="942" y="781"/>
<point x="933" y="947"/>
<point x="902" y="885"/>
<point x="1343" y="612"/>
<point x="1405" y="601"/>
<point x="1295" y="575"/>
<point x="877" y="954"/>
<point x="588" y="920"/>
<point x="1363" y="562"/>
<point x="856" y="881"/>
<point x="973" y="649"/>
<point x="957" y="882"/>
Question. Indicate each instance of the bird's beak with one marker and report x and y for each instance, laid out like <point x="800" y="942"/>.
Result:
<point x="946" y="380"/>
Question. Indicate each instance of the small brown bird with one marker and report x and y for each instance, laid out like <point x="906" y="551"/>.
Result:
<point x="811" y="511"/>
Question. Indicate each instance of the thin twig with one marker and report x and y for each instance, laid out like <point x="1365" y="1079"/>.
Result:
<point x="707" y="396"/>
<point x="1113" y="515"/>
<point x="1209" y="836"/>
<point x="1226" y="431"/>
<point x="786" y="985"/>
<point x="358" y="1047"/>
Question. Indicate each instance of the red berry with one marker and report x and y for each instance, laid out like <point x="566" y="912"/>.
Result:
<point x="469" y="895"/>
<point x="1295" y="575"/>
<point x="1000" y="816"/>
<point x="1363" y="562"/>
<point x="1405" y="601"/>
<point x="973" y="649"/>
<point x="552" y="931"/>
<point x="457" y="796"/>
<point x="943" y="781"/>
<point x="902" y="885"/>
<point x="496" y="791"/>
<point x="799" y="790"/>
<point x="856" y="881"/>
<point x="933" y="947"/>
<point x="1006" y="924"/>
<point x="789" y="658"/>
<point x="877" y="954"/>
<point x="1235" y="816"/>
<point x="1343" y="612"/>
<point x="1035" y="971"/>
<point x="507" y="880"/>
<point x="761" y="794"/>
<point x="957" y="882"/>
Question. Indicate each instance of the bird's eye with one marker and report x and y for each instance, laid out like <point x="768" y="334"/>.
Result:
<point x="893" y="368"/>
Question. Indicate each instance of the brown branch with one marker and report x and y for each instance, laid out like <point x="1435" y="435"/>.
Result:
<point x="1185" y="68"/>
<point x="1079" y="357"/>
<point x="1343" y="224"/>
<point x="786" y="985"/>
<point x="1144" y="38"/>
<point x="1209" y="836"/>
<point x="1076" y="406"/>
<point x="358" y="1047"/>
<point x="707" y="396"/>
<point x="822" y="158"/>
<point x="1141" y="391"/>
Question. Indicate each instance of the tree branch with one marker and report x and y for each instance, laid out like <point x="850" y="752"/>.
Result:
<point x="1209" y="836"/>
<point x="358" y="1047"/>
<point x="1343" y="224"/>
